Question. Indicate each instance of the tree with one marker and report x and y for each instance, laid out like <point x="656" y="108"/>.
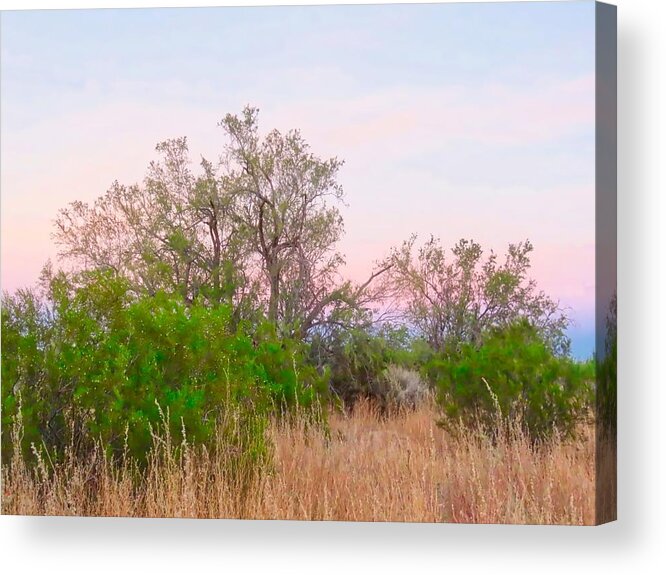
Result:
<point x="455" y="300"/>
<point x="257" y="231"/>
<point x="175" y="232"/>
<point x="287" y="198"/>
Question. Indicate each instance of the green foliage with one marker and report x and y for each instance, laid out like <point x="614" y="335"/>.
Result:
<point x="102" y="365"/>
<point x="513" y="378"/>
<point x="258" y="232"/>
<point x="24" y="336"/>
<point x="360" y="359"/>
<point x="357" y="364"/>
<point x="607" y="374"/>
<point x="452" y="297"/>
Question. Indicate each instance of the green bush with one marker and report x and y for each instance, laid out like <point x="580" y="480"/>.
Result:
<point x="357" y="363"/>
<point x="513" y="378"/>
<point x="606" y="403"/>
<point x="98" y="364"/>
<point x="363" y="363"/>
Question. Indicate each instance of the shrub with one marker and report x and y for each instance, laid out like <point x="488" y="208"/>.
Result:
<point x="400" y="387"/>
<point x="513" y="378"/>
<point x="356" y="363"/>
<point x="374" y="364"/>
<point x="99" y="364"/>
<point x="606" y="389"/>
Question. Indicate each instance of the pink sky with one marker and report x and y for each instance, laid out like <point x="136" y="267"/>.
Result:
<point x="457" y="130"/>
<point x="56" y="162"/>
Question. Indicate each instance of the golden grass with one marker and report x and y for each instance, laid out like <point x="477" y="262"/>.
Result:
<point x="368" y="468"/>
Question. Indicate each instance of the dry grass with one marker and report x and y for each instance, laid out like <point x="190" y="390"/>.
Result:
<point x="369" y="468"/>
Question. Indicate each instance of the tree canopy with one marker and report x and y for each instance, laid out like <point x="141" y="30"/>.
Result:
<point x="258" y="230"/>
<point x="453" y="299"/>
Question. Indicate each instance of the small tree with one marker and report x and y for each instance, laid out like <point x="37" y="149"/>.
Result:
<point x="456" y="299"/>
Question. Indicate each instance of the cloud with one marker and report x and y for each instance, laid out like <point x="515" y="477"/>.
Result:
<point x="393" y="119"/>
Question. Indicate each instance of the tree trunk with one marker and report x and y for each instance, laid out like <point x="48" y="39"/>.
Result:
<point x="274" y="298"/>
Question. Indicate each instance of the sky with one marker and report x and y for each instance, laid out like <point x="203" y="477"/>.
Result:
<point x="456" y="120"/>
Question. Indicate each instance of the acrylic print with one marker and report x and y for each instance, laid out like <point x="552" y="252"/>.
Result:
<point x="351" y="263"/>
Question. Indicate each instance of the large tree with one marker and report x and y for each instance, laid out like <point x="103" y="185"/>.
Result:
<point x="257" y="230"/>
<point x="454" y="298"/>
<point x="288" y="198"/>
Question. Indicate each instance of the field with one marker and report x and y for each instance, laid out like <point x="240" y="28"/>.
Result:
<point x="366" y="467"/>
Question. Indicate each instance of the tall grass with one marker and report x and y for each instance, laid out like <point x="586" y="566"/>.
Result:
<point x="364" y="467"/>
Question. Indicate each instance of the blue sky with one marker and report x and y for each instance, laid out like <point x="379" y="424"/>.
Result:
<point x="460" y="120"/>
